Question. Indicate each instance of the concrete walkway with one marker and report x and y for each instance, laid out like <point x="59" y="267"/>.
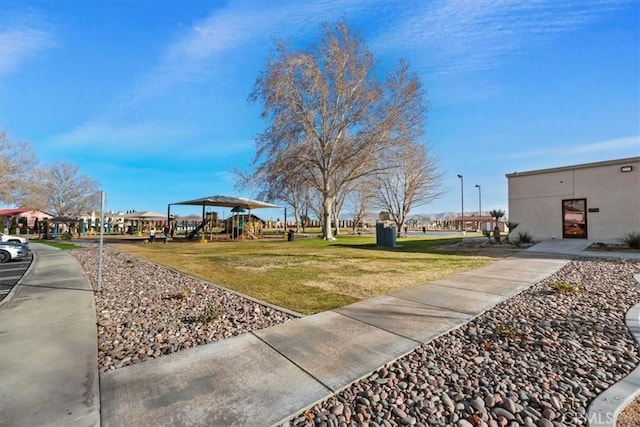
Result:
<point x="48" y="346"/>
<point x="265" y="377"/>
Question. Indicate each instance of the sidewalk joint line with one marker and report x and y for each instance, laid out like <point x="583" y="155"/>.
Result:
<point x="331" y="392"/>
<point x="378" y="327"/>
<point x="439" y="307"/>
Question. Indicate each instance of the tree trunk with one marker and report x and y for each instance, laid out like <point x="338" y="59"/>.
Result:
<point x="327" y="209"/>
<point x="296" y="214"/>
<point x="399" y="231"/>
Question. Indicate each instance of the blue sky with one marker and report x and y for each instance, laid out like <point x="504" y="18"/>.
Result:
<point x="150" y="97"/>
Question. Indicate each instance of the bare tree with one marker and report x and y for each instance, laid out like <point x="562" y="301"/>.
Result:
<point x="359" y="201"/>
<point x="66" y="192"/>
<point x="295" y="195"/>
<point x="414" y="181"/>
<point x="316" y="203"/>
<point x="17" y="163"/>
<point x="331" y="116"/>
<point x="305" y="208"/>
<point x="279" y="181"/>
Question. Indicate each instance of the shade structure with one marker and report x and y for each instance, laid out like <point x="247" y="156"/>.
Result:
<point x="146" y="215"/>
<point x="238" y="205"/>
<point x="143" y="218"/>
<point x="227" y="202"/>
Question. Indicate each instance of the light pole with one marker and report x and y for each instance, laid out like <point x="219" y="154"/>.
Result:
<point x="479" y="207"/>
<point x="462" y="201"/>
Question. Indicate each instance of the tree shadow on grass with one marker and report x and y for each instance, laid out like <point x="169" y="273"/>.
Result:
<point x="449" y="246"/>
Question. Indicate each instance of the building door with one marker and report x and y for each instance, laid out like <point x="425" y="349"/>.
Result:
<point x="574" y="219"/>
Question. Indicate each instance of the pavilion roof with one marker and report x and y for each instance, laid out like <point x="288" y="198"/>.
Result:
<point x="228" y="202"/>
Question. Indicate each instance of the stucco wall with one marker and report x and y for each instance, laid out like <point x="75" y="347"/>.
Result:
<point x="535" y="199"/>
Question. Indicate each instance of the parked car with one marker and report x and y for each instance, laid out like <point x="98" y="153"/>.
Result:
<point x="12" y="238"/>
<point x="12" y="250"/>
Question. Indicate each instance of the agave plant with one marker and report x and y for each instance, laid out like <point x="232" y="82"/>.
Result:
<point x="632" y="239"/>
<point x="511" y="226"/>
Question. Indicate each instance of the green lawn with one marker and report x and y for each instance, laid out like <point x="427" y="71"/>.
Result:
<point x="60" y="245"/>
<point x="312" y="275"/>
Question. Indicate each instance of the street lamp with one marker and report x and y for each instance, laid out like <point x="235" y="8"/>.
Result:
<point x="462" y="201"/>
<point x="479" y="207"/>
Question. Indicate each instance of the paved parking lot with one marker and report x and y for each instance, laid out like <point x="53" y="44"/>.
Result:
<point x="11" y="272"/>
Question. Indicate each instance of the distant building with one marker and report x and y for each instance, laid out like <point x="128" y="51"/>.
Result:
<point x="596" y="201"/>
<point x="22" y="219"/>
<point x="475" y="222"/>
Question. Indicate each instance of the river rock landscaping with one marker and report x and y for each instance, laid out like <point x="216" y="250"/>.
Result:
<point x="145" y="311"/>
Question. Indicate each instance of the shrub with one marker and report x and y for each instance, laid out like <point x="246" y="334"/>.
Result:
<point x="524" y="238"/>
<point x="182" y="293"/>
<point x="13" y="228"/>
<point x="632" y="239"/>
<point x="508" y="330"/>
<point x="210" y="314"/>
<point x="564" y="288"/>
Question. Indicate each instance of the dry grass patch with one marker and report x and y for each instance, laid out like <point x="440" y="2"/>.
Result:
<point x="363" y="280"/>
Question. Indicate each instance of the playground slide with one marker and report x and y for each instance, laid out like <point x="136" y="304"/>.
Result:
<point x="195" y="231"/>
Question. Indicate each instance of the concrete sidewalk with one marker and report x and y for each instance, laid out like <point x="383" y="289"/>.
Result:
<point x="265" y="377"/>
<point x="48" y="345"/>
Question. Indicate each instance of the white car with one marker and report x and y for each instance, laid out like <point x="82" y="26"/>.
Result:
<point x="11" y="250"/>
<point x="12" y="238"/>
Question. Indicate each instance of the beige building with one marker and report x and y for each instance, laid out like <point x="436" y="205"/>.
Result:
<point x="595" y="201"/>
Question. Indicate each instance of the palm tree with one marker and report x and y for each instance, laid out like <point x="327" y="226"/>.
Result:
<point x="497" y="214"/>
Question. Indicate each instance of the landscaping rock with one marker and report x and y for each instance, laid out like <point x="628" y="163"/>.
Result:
<point x="147" y="311"/>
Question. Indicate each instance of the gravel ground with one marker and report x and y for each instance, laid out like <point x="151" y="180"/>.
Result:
<point x="630" y="417"/>
<point x="537" y="359"/>
<point x="146" y="311"/>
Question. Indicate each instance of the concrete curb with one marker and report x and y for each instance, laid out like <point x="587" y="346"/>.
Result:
<point x="605" y="409"/>
<point x="222" y="288"/>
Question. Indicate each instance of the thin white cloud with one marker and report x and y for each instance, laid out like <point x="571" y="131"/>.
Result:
<point x="19" y="45"/>
<point x="224" y="150"/>
<point x="441" y="38"/>
<point x="188" y="59"/>
<point x="631" y="143"/>
<point x="197" y="54"/>
<point x="101" y="136"/>
<point x="474" y="35"/>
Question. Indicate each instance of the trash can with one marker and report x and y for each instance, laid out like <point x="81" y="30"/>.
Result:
<point x="390" y="236"/>
<point x="385" y="235"/>
<point x="290" y="236"/>
<point x="379" y="233"/>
